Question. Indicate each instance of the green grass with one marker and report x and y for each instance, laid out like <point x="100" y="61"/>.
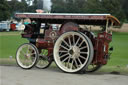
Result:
<point x="119" y="59"/>
<point x="119" y="55"/>
<point x="10" y="41"/>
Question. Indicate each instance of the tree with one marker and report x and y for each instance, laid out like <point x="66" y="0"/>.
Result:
<point x="33" y="7"/>
<point x="24" y="6"/>
<point x="17" y="6"/>
<point x="4" y="10"/>
<point x="40" y="4"/>
<point x="125" y="7"/>
<point x="79" y="6"/>
<point x="58" y="6"/>
<point x="93" y="6"/>
<point x="67" y="6"/>
<point x="114" y="7"/>
<point x="36" y="4"/>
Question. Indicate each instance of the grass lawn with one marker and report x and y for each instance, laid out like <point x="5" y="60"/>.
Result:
<point x="10" y="41"/>
<point x="120" y="53"/>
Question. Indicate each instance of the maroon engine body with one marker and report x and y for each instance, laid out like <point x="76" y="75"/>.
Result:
<point x="47" y="40"/>
<point x="102" y="47"/>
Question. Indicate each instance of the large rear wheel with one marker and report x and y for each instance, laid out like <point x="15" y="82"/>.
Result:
<point x="73" y="52"/>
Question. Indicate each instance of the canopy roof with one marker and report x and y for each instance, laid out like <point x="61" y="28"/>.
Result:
<point x="59" y="18"/>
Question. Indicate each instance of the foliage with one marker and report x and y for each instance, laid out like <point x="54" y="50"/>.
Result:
<point x="67" y="6"/>
<point x="59" y="6"/>
<point x="4" y="10"/>
<point x="113" y="7"/>
<point x="118" y="8"/>
<point x="125" y="7"/>
<point x="16" y="6"/>
<point x="36" y="4"/>
<point x="106" y="6"/>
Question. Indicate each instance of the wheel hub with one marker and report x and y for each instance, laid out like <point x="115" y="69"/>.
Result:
<point x="74" y="52"/>
<point x="27" y="56"/>
<point x="71" y="52"/>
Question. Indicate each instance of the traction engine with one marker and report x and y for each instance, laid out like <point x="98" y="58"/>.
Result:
<point x="59" y="38"/>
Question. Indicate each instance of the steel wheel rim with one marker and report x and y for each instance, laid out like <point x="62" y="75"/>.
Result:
<point x="26" y="56"/>
<point x="76" y="60"/>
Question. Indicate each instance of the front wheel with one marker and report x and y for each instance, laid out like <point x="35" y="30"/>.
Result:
<point x="27" y="56"/>
<point x="73" y="52"/>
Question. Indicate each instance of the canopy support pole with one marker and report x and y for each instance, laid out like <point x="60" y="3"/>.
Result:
<point x="112" y="27"/>
<point x="106" y="26"/>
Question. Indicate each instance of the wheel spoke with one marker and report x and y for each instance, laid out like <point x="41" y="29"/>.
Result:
<point x="77" y="41"/>
<point x="39" y="62"/>
<point x="64" y="47"/>
<point x="83" y="47"/>
<point x="27" y="49"/>
<point x="27" y="62"/>
<point x="69" y="60"/>
<point x="81" y="43"/>
<point x="73" y="39"/>
<point x="62" y="51"/>
<point x="76" y="63"/>
<point x="72" y="64"/>
<point x="22" y="57"/>
<point x="83" y="52"/>
<point x="22" y="52"/>
<point x="30" y="62"/>
<point x="65" y="59"/>
<point x="64" y="55"/>
<point x="82" y="57"/>
<point x="69" y="40"/>
<point x="79" y="61"/>
<point x="66" y="43"/>
<point x="32" y="53"/>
